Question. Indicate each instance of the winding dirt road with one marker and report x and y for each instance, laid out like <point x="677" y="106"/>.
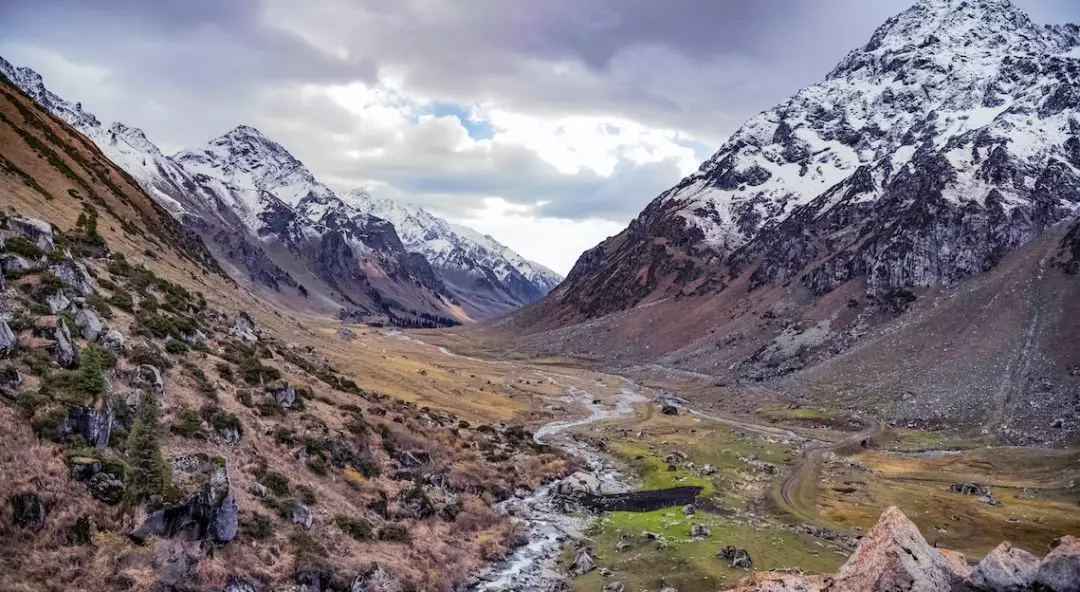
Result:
<point x="796" y="493"/>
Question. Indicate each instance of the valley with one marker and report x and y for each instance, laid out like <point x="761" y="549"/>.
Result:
<point x="843" y="355"/>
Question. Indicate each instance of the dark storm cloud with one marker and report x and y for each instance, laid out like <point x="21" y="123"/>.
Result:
<point x="186" y="70"/>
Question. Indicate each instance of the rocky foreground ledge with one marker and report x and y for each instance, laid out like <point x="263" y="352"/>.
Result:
<point x="894" y="557"/>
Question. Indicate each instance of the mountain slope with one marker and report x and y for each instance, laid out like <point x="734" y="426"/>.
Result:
<point x="266" y="217"/>
<point x="170" y="429"/>
<point x="487" y="277"/>
<point x="945" y="146"/>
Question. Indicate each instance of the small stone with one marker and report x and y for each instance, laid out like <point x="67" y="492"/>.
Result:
<point x="688" y="509"/>
<point x="739" y="558"/>
<point x="583" y="563"/>
<point x="614" y="587"/>
<point x="700" y="531"/>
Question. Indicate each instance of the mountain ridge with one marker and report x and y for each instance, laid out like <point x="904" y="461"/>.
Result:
<point x="259" y="208"/>
<point x="945" y="146"/>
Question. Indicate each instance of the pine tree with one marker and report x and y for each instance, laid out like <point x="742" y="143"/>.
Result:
<point x="146" y="472"/>
<point x="91" y="374"/>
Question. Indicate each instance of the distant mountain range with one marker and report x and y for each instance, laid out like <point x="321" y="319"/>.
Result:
<point x="822" y="248"/>
<point x="267" y="218"/>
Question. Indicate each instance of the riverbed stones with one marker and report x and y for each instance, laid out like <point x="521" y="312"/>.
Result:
<point x="583" y="562"/>
<point x="1006" y="569"/>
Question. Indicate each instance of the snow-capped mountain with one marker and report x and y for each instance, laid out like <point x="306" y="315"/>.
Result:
<point x="894" y="239"/>
<point x="493" y="275"/>
<point x="268" y="218"/>
<point x="946" y="141"/>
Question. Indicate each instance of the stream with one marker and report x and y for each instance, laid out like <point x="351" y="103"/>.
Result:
<point x="532" y="568"/>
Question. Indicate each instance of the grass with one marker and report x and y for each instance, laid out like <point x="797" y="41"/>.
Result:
<point x="691" y="565"/>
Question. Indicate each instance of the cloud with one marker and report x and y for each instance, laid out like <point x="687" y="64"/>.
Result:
<point x="572" y="112"/>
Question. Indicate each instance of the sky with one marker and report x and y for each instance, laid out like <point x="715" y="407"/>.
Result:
<point x="548" y="124"/>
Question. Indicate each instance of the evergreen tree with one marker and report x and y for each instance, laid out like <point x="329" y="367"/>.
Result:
<point x="146" y="472"/>
<point x="91" y="374"/>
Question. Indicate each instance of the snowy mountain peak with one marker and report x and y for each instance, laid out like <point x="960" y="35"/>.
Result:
<point x="250" y="160"/>
<point x="134" y="137"/>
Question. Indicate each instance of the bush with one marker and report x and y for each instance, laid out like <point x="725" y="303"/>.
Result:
<point x="148" y="354"/>
<point x="121" y="299"/>
<point x="306" y="494"/>
<point x="360" y="530"/>
<point x="222" y="420"/>
<point x="254" y="372"/>
<point x="260" y="527"/>
<point x="190" y="425"/>
<point x="244" y="396"/>
<point x="147" y="473"/>
<point x="20" y="245"/>
<point x="50" y="282"/>
<point x="394" y="532"/>
<point x="225" y="372"/>
<point x="176" y="347"/>
<point x="306" y="550"/>
<point x="317" y="465"/>
<point x="100" y="306"/>
<point x="275" y="482"/>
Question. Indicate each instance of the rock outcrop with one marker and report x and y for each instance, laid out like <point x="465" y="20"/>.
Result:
<point x="894" y="557"/>
<point x="208" y="510"/>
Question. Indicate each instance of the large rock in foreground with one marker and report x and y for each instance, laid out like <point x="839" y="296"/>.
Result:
<point x="895" y="556"/>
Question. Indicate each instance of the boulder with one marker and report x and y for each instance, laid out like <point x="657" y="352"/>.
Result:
<point x="765" y="581"/>
<point x="970" y="489"/>
<point x="346" y="334"/>
<point x="739" y="558"/>
<point x="237" y="584"/>
<point x="74" y="276"/>
<point x="375" y="579"/>
<point x="174" y="562"/>
<point x="302" y="516"/>
<point x="284" y="394"/>
<point x="93" y="424"/>
<point x="28" y="511"/>
<point x="10" y="379"/>
<point x="689" y="509"/>
<point x="113" y="341"/>
<point x="1006" y="569"/>
<point x="31" y="228"/>
<point x="89" y="324"/>
<point x="700" y="531"/>
<point x="7" y="338"/>
<point x="207" y="510"/>
<point x="81" y="468"/>
<point x="149" y="378"/>
<point x="614" y="587"/>
<point x="583" y="562"/>
<point x="895" y="556"/>
<point x="57" y="302"/>
<point x="623" y="545"/>
<point x="106" y="488"/>
<point x="580" y="483"/>
<point x="11" y="262"/>
<point x="243" y="329"/>
<point x="669" y="410"/>
<point x="1060" y="569"/>
<point x="708" y="470"/>
<point x="56" y="330"/>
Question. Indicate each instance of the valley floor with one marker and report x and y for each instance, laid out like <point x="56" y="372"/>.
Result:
<point x="793" y="487"/>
